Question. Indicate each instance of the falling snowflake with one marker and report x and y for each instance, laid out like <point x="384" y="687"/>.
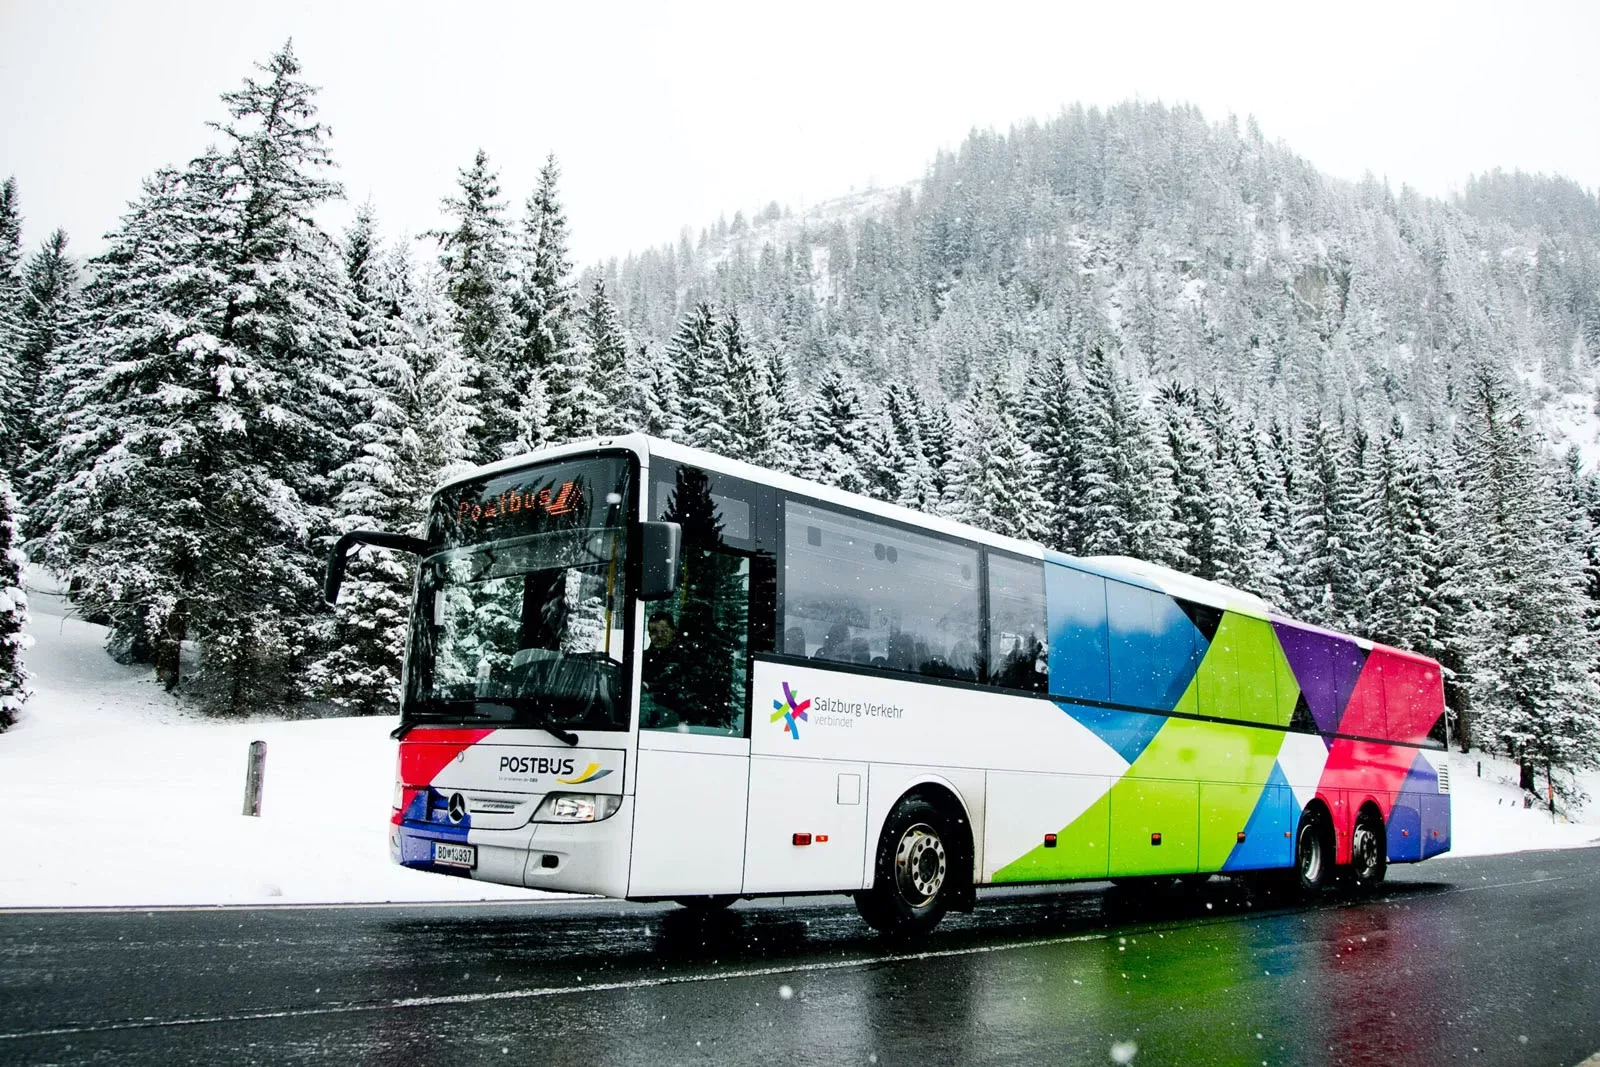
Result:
<point x="1124" y="1052"/>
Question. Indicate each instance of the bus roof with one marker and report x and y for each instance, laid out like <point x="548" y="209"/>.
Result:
<point x="1121" y="568"/>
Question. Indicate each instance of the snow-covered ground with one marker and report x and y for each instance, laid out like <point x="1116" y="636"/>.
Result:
<point x="113" y="795"/>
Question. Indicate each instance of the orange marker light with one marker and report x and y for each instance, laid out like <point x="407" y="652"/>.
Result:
<point x="1155" y="839"/>
<point x="1241" y="837"/>
<point x="1049" y="840"/>
<point x="822" y="839"/>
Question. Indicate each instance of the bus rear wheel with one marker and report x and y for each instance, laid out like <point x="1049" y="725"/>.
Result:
<point x="1312" y="856"/>
<point x="1368" y="852"/>
<point x="913" y="879"/>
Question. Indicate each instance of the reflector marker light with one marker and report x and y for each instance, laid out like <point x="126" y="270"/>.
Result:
<point x="802" y="839"/>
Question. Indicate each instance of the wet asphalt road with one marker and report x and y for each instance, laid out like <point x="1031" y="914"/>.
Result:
<point x="1493" y="960"/>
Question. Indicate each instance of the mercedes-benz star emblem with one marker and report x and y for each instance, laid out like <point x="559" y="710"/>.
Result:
<point x="458" y="807"/>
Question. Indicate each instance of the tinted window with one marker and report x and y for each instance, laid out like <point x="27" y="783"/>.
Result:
<point x="1153" y="653"/>
<point x="1017" y="655"/>
<point x="697" y="642"/>
<point x="857" y="591"/>
<point x="1078" y="633"/>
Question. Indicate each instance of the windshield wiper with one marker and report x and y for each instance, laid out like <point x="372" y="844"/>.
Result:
<point x="540" y="721"/>
<point x="522" y="709"/>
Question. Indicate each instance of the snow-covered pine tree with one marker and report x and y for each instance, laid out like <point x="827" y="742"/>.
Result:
<point x="1266" y="458"/>
<point x="191" y="494"/>
<point x="383" y="482"/>
<point x="752" y="420"/>
<point x="1529" y="655"/>
<point x="1192" y="480"/>
<point x="836" y="429"/>
<point x="12" y="418"/>
<point x="50" y="309"/>
<point x="655" y="397"/>
<point x="123" y="513"/>
<point x="1323" y="577"/>
<point x="699" y="360"/>
<point x="274" y="347"/>
<point x="994" y="479"/>
<point x="1055" y="429"/>
<point x="897" y="466"/>
<point x="1127" y="488"/>
<point x="784" y="444"/>
<point x="938" y="439"/>
<point x="1404" y="557"/>
<point x="605" y="345"/>
<point x="474" y="260"/>
<point x="1239" y="536"/>
<point x="449" y="422"/>
<point x="545" y="302"/>
<point x="13" y="610"/>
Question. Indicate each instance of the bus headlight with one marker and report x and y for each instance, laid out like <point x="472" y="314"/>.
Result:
<point x="577" y="807"/>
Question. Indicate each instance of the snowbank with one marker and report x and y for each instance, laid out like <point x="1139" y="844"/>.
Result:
<point x="1486" y="813"/>
<point x="113" y="795"/>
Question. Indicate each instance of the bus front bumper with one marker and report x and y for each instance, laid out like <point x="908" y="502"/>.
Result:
<point x="590" y="857"/>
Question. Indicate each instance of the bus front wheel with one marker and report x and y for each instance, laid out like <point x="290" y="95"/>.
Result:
<point x="913" y="879"/>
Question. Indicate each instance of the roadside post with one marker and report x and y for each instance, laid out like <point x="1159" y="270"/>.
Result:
<point x="255" y="770"/>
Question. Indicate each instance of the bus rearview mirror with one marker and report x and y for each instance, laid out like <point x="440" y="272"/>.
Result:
<point x="336" y="559"/>
<point x="660" y="546"/>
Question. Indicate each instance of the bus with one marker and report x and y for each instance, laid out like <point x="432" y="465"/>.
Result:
<point x="644" y="671"/>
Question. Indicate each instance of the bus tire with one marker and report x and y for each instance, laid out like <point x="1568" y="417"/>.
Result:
<point x="1313" y="854"/>
<point x="1369" y="853"/>
<point x="914" y="872"/>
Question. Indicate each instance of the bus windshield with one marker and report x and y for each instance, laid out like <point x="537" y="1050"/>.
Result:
<point x="520" y="617"/>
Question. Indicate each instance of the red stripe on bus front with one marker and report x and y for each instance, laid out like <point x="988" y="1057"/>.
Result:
<point x="424" y="753"/>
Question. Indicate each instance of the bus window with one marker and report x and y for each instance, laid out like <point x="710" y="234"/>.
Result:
<point x="1079" y="665"/>
<point x="1018" y="658"/>
<point x="695" y="661"/>
<point x="862" y="592"/>
<point x="1153" y="653"/>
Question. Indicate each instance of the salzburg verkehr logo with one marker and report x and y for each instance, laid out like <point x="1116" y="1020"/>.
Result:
<point x="791" y="713"/>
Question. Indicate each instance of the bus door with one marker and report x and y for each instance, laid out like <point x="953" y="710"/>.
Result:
<point x="694" y="745"/>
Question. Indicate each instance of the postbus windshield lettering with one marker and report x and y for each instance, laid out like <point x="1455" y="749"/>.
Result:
<point x="564" y="501"/>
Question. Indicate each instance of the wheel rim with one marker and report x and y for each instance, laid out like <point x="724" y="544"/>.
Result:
<point x="1310" y="856"/>
<point x="920" y="865"/>
<point x="1366" y="850"/>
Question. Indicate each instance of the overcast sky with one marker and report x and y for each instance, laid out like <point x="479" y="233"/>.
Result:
<point x="665" y="118"/>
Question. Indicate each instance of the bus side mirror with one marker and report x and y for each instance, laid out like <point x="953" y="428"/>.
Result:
<point x="660" y="545"/>
<point x="341" y="548"/>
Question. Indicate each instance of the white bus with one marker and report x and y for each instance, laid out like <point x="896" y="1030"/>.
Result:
<point x="643" y="671"/>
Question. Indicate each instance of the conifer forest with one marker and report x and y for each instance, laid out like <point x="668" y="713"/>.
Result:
<point x="1136" y="331"/>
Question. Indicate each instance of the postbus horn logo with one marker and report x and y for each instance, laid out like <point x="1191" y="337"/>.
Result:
<point x="790" y="714"/>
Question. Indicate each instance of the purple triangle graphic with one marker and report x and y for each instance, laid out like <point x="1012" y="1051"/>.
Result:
<point x="1325" y="664"/>
<point x="1422" y="778"/>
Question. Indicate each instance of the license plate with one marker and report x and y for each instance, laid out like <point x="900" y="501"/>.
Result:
<point x="455" y="855"/>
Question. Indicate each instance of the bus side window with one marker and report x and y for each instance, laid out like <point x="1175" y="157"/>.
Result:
<point x="866" y="593"/>
<point x="1018" y="657"/>
<point x="1076" y="608"/>
<point x="696" y="659"/>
